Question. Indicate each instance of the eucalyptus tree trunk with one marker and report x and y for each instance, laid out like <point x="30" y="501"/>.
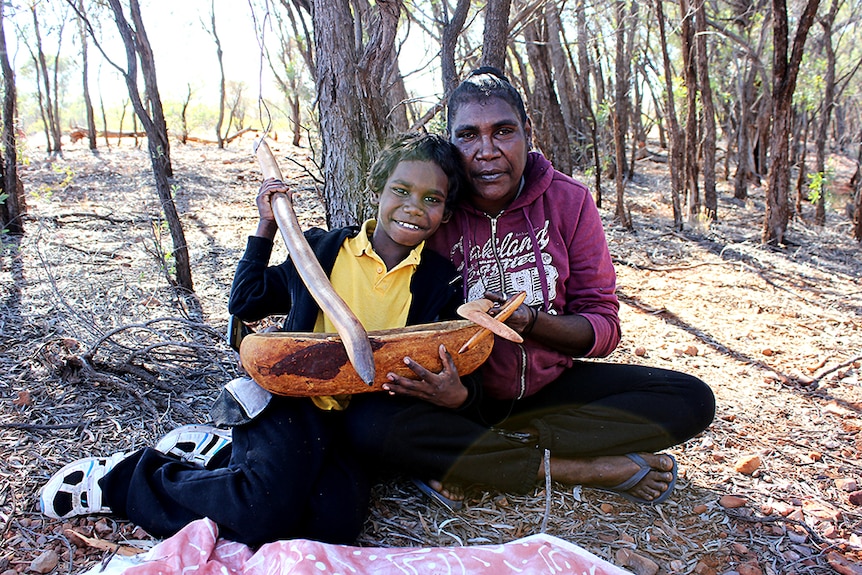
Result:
<point x="353" y="112"/>
<point x="495" y="37"/>
<point x="784" y="74"/>
<point x="222" y="95"/>
<point x="397" y="98"/>
<point x="584" y="92"/>
<point x="636" y="115"/>
<point x="762" y="139"/>
<point x="449" y="39"/>
<point x="285" y="66"/>
<point x="582" y="129"/>
<point x="85" y="77"/>
<point x="619" y="112"/>
<point x="826" y="110"/>
<point x="745" y="169"/>
<point x="675" y="154"/>
<point x="691" y="128"/>
<point x="151" y="87"/>
<point x="630" y="24"/>
<point x="136" y="47"/>
<point x="857" y="184"/>
<point x="52" y="127"/>
<point x="545" y="113"/>
<point x="12" y="210"/>
<point x="184" y="135"/>
<point x="563" y="74"/>
<point x="710" y="200"/>
<point x="55" y="101"/>
<point x="802" y="167"/>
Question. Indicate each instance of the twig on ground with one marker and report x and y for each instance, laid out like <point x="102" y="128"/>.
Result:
<point x="775" y="519"/>
<point x="836" y="368"/>
<point x="43" y="426"/>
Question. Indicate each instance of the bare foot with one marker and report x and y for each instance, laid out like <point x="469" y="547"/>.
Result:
<point x="453" y="492"/>
<point x="611" y="470"/>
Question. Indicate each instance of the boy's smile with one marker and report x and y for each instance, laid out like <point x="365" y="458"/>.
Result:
<point x="412" y="207"/>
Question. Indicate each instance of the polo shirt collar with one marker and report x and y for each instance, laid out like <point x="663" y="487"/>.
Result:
<point x="361" y="244"/>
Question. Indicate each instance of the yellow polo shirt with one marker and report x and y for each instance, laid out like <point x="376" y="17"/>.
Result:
<point x="380" y="298"/>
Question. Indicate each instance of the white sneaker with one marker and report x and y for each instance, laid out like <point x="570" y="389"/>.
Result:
<point x="195" y="443"/>
<point x="74" y="490"/>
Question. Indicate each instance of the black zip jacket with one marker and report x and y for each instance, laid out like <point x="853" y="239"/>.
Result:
<point x="260" y="290"/>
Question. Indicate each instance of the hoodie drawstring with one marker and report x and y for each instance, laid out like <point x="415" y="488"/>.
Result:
<point x="540" y="266"/>
<point x="465" y="249"/>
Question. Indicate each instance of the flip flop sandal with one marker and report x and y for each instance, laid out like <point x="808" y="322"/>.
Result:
<point x="194" y="443"/>
<point x="450" y="504"/>
<point x="643" y="469"/>
<point x="74" y="490"/>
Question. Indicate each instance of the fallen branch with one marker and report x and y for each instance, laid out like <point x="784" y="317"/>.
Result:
<point x="89" y="372"/>
<point x="675" y="268"/>
<point x="836" y="368"/>
<point x="80" y="133"/>
<point x="146" y="326"/>
<point x="227" y="140"/>
<point x="775" y="519"/>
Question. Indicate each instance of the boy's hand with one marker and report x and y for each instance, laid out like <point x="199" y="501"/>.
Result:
<point x="267" y="227"/>
<point x="444" y="389"/>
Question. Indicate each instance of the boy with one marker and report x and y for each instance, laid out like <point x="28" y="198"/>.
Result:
<point x="289" y="473"/>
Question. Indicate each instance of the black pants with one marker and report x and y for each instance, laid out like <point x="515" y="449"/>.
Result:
<point x="288" y="474"/>
<point x="593" y="409"/>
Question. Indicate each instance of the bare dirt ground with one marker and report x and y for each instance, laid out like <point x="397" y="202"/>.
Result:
<point x="100" y="355"/>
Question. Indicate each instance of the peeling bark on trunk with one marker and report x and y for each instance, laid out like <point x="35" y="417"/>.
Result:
<point x="784" y="72"/>
<point x="826" y="112"/>
<point x="802" y="166"/>
<point x="710" y="200"/>
<point x="545" y="112"/>
<point x="675" y="154"/>
<point x="449" y="40"/>
<point x="14" y="208"/>
<point x="691" y="131"/>
<point x="353" y="114"/>
<point x="619" y="111"/>
<point x="496" y="34"/>
<point x="584" y="84"/>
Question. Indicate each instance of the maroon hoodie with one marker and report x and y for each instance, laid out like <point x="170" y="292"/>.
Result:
<point x="553" y="220"/>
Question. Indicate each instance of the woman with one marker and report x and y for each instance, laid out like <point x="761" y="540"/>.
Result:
<point x="526" y="227"/>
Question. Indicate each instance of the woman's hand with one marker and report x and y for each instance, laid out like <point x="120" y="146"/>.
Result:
<point x="569" y="334"/>
<point x="444" y="389"/>
<point x="520" y="319"/>
<point x="267" y="226"/>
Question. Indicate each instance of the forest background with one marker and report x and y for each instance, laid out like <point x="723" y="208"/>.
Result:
<point x="711" y="133"/>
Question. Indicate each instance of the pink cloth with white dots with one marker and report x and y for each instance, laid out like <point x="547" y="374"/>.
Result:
<point x="197" y="549"/>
